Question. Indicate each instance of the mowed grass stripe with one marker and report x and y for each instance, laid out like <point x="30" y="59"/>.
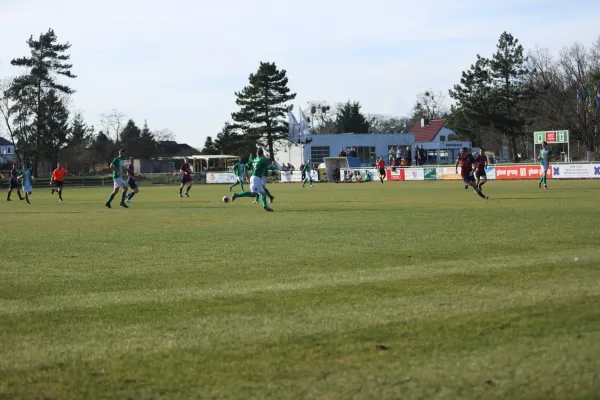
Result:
<point x="194" y="298"/>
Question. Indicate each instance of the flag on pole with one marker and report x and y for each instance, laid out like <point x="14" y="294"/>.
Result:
<point x="294" y="128"/>
<point x="304" y="129"/>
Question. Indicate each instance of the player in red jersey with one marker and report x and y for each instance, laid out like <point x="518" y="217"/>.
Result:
<point x="186" y="177"/>
<point x="466" y="161"/>
<point x="13" y="183"/>
<point x="381" y="168"/>
<point x="131" y="180"/>
<point x="481" y="163"/>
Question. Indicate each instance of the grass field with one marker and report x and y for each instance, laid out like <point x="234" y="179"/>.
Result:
<point x="357" y="291"/>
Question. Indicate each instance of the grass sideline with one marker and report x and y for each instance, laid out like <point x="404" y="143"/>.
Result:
<point x="364" y="291"/>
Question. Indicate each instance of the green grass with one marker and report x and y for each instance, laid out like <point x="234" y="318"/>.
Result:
<point x="193" y="298"/>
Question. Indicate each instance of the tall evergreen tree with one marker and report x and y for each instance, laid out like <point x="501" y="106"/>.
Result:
<point x="80" y="134"/>
<point x="56" y="126"/>
<point x="130" y="138"/>
<point x="209" y="147"/>
<point x="147" y="145"/>
<point x="48" y="59"/>
<point x="263" y="106"/>
<point x="349" y="118"/>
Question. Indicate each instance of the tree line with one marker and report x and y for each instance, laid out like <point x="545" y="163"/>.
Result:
<point x="500" y="100"/>
<point x="36" y="116"/>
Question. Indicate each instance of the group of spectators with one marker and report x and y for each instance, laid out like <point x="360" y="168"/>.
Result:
<point x="351" y="153"/>
<point x="398" y="157"/>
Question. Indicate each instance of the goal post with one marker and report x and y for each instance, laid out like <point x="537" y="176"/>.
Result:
<point x="552" y="137"/>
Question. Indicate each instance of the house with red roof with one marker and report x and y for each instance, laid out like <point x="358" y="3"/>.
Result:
<point x="433" y="137"/>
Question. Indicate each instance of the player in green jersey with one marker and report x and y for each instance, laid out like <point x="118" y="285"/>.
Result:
<point x="307" y="170"/>
<point x="26" y="181"/>
<point x="117" y="174"/>
<point x="544" y="159"/>
<point x="270" y="168"/>
<point x="260" y="164"/>
<point x="241" y="173"/>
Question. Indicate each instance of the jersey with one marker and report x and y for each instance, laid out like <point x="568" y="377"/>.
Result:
<point x="13" y="175"/>
<point x="481" y="160"/>
<point x="240" y="169"/>
<point x="380" y="164"/>
<point x="185" y="168"/>
<point x="250" y="163"/>
<point x="545" y="156"/>
<point x="306" y="168"/>
<point x="261" y="167"/>
<point x="58" y="174"/>
<point x="130" y="173"/>
<point x="117" y="165"/>
<point x="25" y="177"/>
<point x="466" y="164"/>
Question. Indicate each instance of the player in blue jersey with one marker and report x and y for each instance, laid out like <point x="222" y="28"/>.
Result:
<point x="26" y="181"/>
<point x="544" y="159"/>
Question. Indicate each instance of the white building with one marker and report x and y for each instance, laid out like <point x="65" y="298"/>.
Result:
<point x="369" y="147"/>
<point x="7" y="152"/>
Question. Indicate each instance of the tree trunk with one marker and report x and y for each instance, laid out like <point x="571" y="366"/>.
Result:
<point x="513" y="148"/>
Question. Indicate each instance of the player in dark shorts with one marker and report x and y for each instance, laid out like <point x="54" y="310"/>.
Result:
<point x="186" y="177"/>
<point x="381" y="168"/>
<point x="13" y="183"/>
<point x="131" y="181"/>
<point x="481" y="163"/>
<point x="466" y="161"/>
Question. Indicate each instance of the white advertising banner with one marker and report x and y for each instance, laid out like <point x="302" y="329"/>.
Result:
<point x="414" y="174"/>
<point x="296" y="176"/>
<point x="575" y="171"/>
<point x="220" y="177"/>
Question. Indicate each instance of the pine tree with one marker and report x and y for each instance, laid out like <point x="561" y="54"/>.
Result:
<point x="56" y="125"/>
<point x="263" y="106"/>
<point x="349" y="118"/>
<point x="130" y="138"/>
<point x="48" y="58"/>
<point x="209" y="147"/>
<point x="147" y="145"/>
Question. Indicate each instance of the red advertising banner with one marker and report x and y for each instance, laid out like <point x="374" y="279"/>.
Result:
<point x="521" y="172"/>
<point x="551" y="137"/>
<point x="397" y="175"/>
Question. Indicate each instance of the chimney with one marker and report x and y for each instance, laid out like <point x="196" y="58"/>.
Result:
<point x="422" y="122"/>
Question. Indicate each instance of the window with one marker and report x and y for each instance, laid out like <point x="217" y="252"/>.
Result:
<point x="9" y="150"/>
<point x="442" y="138"/>
<point x="366" y="154"/>
<point x="317" y="153"/>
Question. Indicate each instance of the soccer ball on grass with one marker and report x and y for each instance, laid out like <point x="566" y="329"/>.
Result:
<point x="225" y="199"/>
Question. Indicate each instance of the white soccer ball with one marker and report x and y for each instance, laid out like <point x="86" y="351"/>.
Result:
<point x="225" y="199"/>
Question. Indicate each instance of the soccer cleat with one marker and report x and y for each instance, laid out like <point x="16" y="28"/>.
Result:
<point x="255" y="202"/>
<point x="271" y="199"/>
<point x="545" y="187"/>
<point x="128" y="201"/>
<point x="230" y="190"/>
<point x="107" y="205"/>
<point x="466" y="186"/>
<point x="123" y="205"/>
<point x="180" y="195"/>
<point x="186" y="194"/>
<point x="52" y="191"/>
<point x="269" y="208"/>
<point x="540" y="185"/>
<point x="235" y="196"/>
<point x="486" y="197"/>
<point x="310" y="185"/>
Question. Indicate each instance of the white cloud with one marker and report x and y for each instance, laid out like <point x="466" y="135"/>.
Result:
<point x="178" y="63"/>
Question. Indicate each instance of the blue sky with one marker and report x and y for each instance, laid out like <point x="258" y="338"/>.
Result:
<point x="178" y="63"/>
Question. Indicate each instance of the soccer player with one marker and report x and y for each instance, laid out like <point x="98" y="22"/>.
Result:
<point x="272" y="167"/>
<point x="306" y="169"/>
<point x="261" y="164"/>
<point x="57" y="179"/>
<point x="117" y="170"/>
<point x="26" y="179"/>
<point x="131" y="180"/>
<point x="544" y="159"/>
<point x="13" y="183"/>
<point x="466" y="160"/>
<point x="381" y="168"/>
<point x="186" y="177"/>
<point x="241" y="172"/>
<point x="481" y="163"/>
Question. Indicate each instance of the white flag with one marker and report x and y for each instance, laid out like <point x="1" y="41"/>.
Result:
<point x="294" y="129"/>
<point x="304" y="130"/>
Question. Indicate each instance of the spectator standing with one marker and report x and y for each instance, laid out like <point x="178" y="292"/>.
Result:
<point x="391" y="154"/>
<point x="353" y="152"/>
<point x="342" y="153"/>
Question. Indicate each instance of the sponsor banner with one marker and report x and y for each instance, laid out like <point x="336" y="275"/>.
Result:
<point x="551" y="137"/>
<point x="429" y="173"/>
<point x="397" y="175"/>
<point x="521" y="172"/>
<point x="448" y="173"/>
<point x="490" y="172"/>
<point x="414" y="174"/>
<point x="296" y="176"/>
<point x="574" y="171"/>
<point x="220" y="177"/>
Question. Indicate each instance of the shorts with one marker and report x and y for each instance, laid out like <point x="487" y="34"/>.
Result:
<point x="132" y="184"/>
<point x="381" y="171"/>
<point x="58" y="184"/>
<point x="119" y="183"/>
<point x="256" y="185"/>
<point x="186" y="179"/>
<point x="240" y="179"/>
<point x="468" y="178"/>
<point x="263" y="181"/>
<point x="544" y="168"/>
<point x="479" y="175"/>
<point x="13" y="185"/>
<point x="27" y="189"/>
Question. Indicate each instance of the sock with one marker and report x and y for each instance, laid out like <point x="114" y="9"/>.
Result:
<point x="544" y="178"/>
<point x="267" y="192"/>
<point x="111" y="197"/>
<point x="234" y="185"/>
<point x="541" y="179"/>
<point x="26" y="197"/>
<point x="60" y="194"/>
<point x="188" y="189"/>
<point x="123" y="196"/>
<point x="8" y="196"/>
<point x="263" y="200"/>
<point x="131" y="195"/>
<point x="482" y="183"/>
<point x="19" y="193"/>
<point x="245" y="194"/>
<point x="180" y="190"/>
<point x="242" y="185"/>
<point x="480" y="193"/>
<point x="256" y="198"/>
